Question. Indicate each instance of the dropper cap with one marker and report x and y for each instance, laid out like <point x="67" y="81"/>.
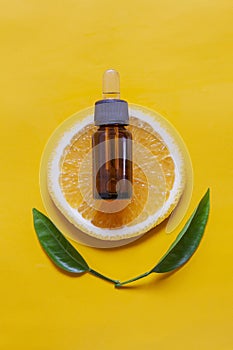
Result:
<point x="111" y="109"/>
<point x="111" y="84"/>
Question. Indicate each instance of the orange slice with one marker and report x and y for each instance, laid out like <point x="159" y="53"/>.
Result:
<point x="158" y="179"/>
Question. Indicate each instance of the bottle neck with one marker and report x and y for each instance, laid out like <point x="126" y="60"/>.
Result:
<point x="112" y="126"/>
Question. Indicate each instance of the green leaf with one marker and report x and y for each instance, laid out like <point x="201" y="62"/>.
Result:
<point x="185" y="244"/>
<point x="188" y="239"/>
<point x="60" y="251"/>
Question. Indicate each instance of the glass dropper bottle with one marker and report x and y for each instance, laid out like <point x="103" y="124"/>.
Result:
<point x="112" y="143"/>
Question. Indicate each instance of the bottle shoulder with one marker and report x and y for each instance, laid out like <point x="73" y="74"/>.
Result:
<point x="112" y="131"/>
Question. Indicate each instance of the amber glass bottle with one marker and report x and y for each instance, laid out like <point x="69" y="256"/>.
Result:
<point x="112" y="144"/>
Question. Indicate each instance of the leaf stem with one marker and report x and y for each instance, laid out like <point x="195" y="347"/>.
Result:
<point x="97" y="274"/>
<point x="119" y="284"/>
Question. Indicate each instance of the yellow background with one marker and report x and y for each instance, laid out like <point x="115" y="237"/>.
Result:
<point x="174" y="57"/>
